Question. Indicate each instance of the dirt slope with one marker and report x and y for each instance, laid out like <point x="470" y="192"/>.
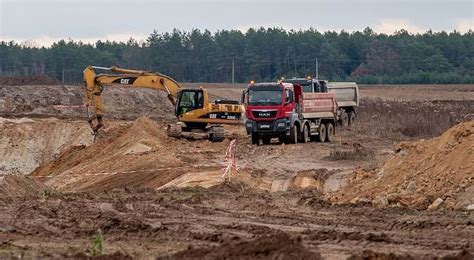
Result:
<point x="27" y="143"/>
<point x="137" y="154"/>
<point x="14" y="185"/>
<point x="422" y="171"/>
<point x="67" y="101"/>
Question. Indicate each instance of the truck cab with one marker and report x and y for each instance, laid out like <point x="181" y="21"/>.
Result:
<point x="282" y="110"/>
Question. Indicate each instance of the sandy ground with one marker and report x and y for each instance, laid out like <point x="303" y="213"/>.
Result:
<point x="154" y="196"/>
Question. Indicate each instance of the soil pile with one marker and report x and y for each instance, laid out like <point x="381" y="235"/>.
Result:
<point x="68" y="102"/>
<point x="137" y="154"/>
<point x="426" y="173"/>
<point x="41" y="79"/>
<point x="18" y="185"/>
<point x="27" y="143"/>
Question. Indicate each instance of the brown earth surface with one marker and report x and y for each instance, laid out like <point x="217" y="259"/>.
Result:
<point x="153" y="196"/>
<point x="41" y="79"/>
<point x="421" y="172"/>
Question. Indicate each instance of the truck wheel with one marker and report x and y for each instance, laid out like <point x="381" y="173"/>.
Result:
<point x="282" y="139"/>
<point x="293" y="138"/>
<point x="352" y="118"/>
<point x="266" y="140"/>
<point x="329" y="132"/>
<point x="322" y="133"/>
<point x="344" y="119"/>
<point x="305" y="134"/>
<point x="255" y="139"/>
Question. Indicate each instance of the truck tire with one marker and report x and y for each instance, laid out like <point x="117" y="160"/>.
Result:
<point x="352" y="118"/>
<point x="344" y="119"/>
<point x="293" y="138"/>
<point x="305" y="134"/>
<point x="255" y="139"/>
<point x="329" y="132"/>
<point x="282" y="139"/>
<point x="322" y="133"/>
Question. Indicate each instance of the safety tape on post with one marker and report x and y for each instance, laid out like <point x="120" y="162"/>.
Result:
<point x="230" y="160"/>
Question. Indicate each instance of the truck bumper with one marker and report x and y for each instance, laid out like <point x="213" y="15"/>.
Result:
<point x="275" y="128"/>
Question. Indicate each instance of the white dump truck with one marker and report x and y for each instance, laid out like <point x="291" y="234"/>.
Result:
<point x="347" y="98"/>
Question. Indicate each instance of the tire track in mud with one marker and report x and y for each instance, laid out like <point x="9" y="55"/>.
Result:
<point x="171" y="220"/>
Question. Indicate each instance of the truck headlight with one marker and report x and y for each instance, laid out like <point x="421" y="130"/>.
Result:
<point x="249" y="125"/>
<point x="281" y="124"/>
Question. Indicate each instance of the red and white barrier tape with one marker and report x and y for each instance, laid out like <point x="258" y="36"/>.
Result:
<point x="230" y="158"/>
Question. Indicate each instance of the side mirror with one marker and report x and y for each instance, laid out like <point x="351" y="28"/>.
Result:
<point x="243" y="97"/>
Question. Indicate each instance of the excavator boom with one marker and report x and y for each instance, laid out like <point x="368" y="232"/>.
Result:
<point x="137" y="78"/>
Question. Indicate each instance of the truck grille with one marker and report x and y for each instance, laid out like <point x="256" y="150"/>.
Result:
<point x="264" y="113"/>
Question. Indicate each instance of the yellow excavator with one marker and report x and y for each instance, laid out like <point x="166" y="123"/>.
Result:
<point x="198" y="117"/>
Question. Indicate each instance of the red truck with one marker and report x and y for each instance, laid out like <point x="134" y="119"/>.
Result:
<point x="286" y="111"/>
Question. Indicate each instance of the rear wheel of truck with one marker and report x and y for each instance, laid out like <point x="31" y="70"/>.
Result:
<point x="352" y="118"/>
<point x="344" y="119"/>
<point x="322" y="133"/>
<point x="305" y="134"/>
<point x="293" y="138"/>
<point x="329" y="132"/>
<point x="255" y="139"/>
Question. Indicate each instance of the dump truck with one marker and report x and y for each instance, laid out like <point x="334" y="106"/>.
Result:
<point x="286" y="111"/>
<point x="347" y="96"/>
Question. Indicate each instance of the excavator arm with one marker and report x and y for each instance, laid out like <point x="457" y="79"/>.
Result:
<point x="135" y="78"/>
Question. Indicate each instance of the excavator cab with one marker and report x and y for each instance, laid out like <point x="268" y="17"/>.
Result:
<point x="189" y="100"/>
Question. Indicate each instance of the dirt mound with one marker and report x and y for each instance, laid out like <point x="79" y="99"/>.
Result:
<point x="422" y="172"/>
<point x="25" y="143"/>
<point x="137" y="154"/>
<point x="275" y="246"/>
<point x="41" y="79"/>
<point x="67" y="101"/>
<point x="18" y="185"/>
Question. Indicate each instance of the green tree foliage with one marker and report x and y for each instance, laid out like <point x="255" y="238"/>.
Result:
<point x="260" y="54"/>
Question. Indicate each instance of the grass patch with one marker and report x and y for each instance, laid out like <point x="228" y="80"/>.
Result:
<point x="401" y="119"/>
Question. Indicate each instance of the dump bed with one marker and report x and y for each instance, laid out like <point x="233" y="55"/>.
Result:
<point x="318" y="105"/>
<point x="347" y="93"/>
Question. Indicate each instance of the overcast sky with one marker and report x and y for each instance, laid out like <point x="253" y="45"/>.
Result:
<point x="45" y="21"/>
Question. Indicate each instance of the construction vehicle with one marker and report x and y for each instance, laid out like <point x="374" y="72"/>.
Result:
<point x="286" y="111"/>
<point x="198" y="117"/>
<point x="347" y="96"/>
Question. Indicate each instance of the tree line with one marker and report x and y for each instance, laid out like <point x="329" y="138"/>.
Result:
<point x="263" y="54"/>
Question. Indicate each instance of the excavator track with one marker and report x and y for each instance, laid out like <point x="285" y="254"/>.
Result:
<point x="175" y="130"/>
<point x="216" y="134"/>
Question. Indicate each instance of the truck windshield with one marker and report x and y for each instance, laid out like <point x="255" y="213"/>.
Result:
<point x="265" y="97"/>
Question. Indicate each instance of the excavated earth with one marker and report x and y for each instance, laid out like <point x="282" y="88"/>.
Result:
<point x="151" y="196"/>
